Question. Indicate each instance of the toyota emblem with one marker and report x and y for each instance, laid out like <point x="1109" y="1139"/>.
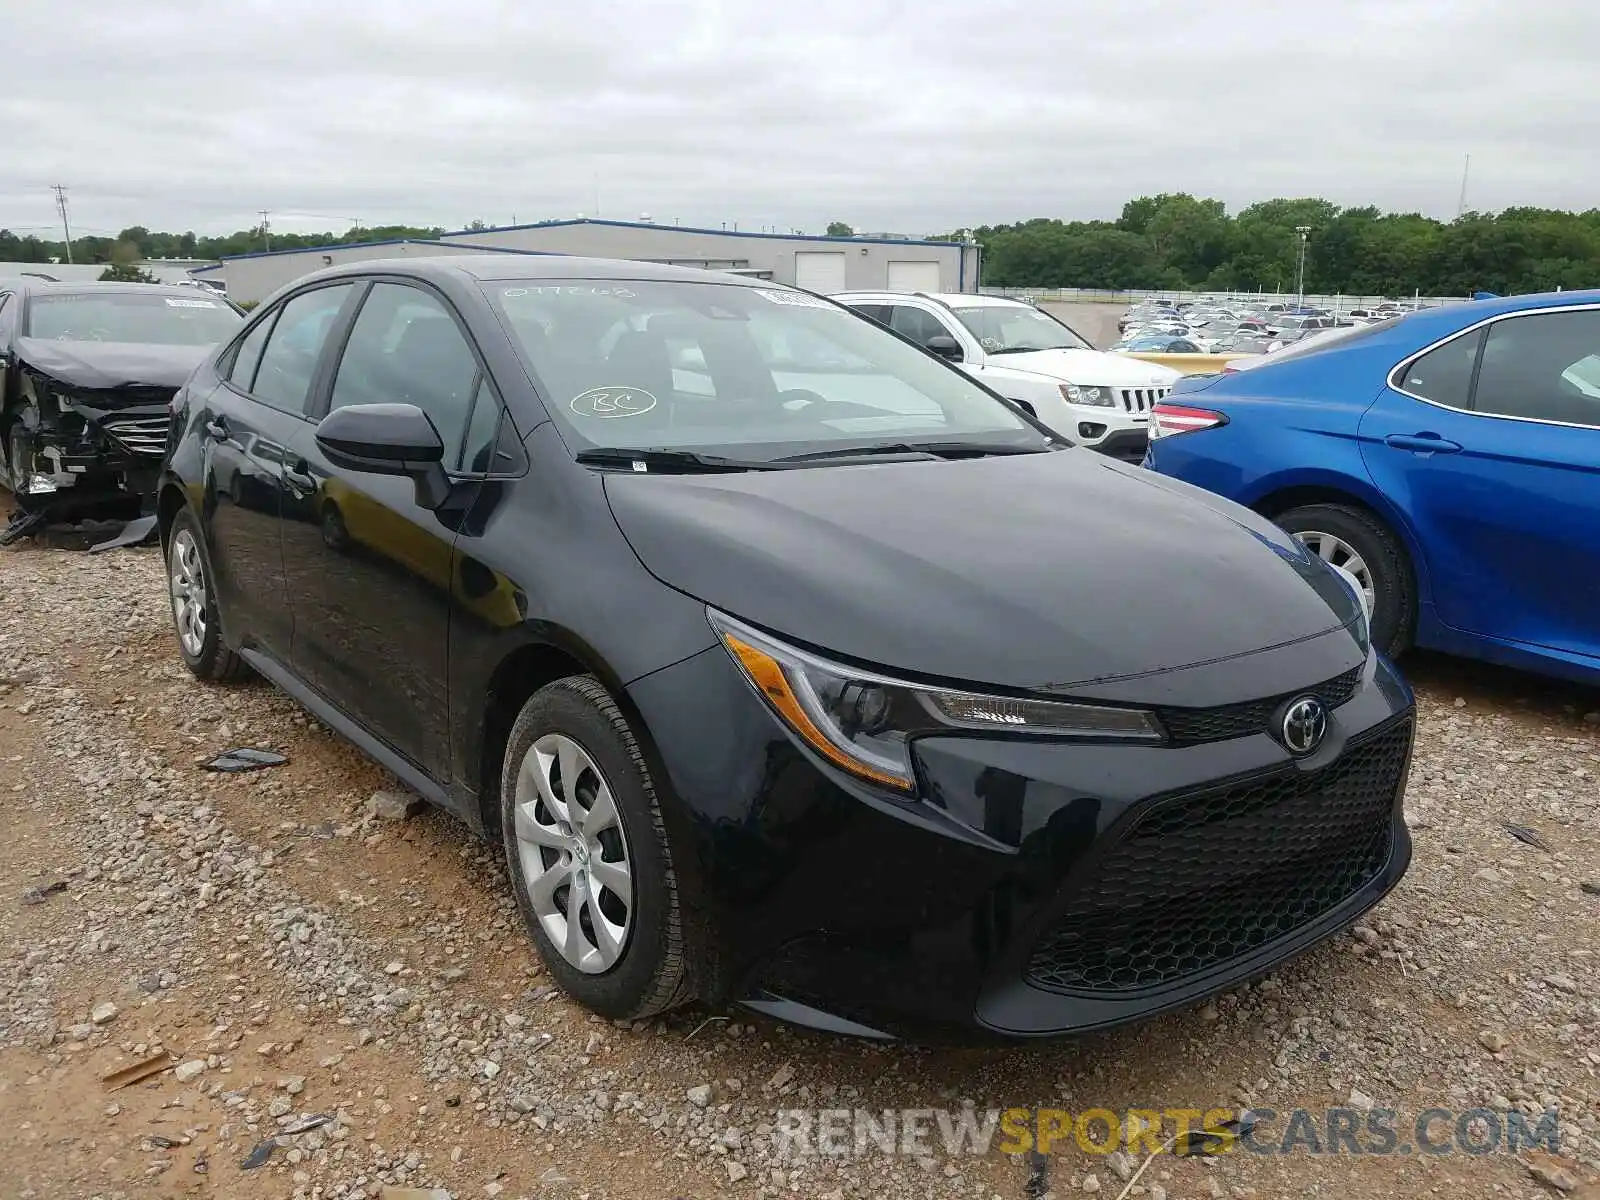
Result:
<point x="1305" y="722"/>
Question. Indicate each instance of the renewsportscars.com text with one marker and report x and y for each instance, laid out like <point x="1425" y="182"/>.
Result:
<point x="920" y="1132"/>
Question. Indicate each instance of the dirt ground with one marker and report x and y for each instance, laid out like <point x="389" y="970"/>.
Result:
<point x="352" y="998"/>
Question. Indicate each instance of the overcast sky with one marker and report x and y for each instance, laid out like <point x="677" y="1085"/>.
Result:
<point x="910" y="117"/>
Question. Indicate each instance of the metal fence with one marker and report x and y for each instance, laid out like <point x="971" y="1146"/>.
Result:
<point x="1336" y="303"/>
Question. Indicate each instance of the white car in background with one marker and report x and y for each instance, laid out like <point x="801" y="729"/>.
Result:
<point x="1092" y="398"/>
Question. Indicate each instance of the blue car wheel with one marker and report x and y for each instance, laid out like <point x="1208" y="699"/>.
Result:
<point x="1354" y="539"/>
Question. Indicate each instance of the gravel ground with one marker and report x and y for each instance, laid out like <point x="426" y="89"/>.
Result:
<point x="302" y="959"/>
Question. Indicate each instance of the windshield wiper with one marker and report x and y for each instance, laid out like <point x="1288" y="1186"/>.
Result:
<point x="685" y="461"/>
<point x="933" y="449"/>
<point x="1031" y="349"/>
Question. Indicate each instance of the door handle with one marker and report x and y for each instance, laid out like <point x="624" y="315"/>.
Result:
<point x="217" y="428"/>
<point x="1422" y="443"/>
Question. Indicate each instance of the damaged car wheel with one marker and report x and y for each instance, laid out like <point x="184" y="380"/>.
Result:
<point x="194" y="606"/>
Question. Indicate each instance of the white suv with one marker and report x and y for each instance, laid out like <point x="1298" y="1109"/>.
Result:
<point x="1092" y="398"/>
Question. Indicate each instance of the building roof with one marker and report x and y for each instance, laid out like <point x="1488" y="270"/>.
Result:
<point x="165" y="270"/>
<point x="431" y="242"/>
<point x="501" y="267"/>
<point x="779" y="237"/>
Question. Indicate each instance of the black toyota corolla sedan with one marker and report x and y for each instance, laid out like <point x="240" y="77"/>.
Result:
<point x="791" y="665"/>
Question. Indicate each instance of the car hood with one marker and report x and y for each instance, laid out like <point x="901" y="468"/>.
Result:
<point x="1091" y="367"/>
<point x="111" y="364"/>
<point x="1039" y="572"/>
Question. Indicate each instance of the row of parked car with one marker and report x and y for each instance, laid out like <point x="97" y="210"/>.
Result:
<point x="688" y="589"/>
<point x="1212" y="326"/>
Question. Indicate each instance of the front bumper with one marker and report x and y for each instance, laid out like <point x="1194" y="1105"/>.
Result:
<point x="1034" y="888"/>
<point x="1129" y="445"/>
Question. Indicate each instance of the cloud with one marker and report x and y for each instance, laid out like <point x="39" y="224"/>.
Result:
<point x="909" y="117"/>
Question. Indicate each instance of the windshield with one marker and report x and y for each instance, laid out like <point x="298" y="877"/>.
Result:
<point x="750" y="372"/>
<point x="130" y="317"/>
<point x="1016" y="329"/>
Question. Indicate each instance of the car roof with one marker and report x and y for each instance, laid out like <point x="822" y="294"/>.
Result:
<point x="45" y="287"/>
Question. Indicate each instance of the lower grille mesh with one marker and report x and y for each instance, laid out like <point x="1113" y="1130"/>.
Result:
<point x="1204" y="878"/>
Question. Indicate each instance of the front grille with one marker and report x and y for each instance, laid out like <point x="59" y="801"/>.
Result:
<point x="1142" y="400"/>
<point x="139" y="435"/>
<point x="1202" y="878"/>
<point x="1191" y="726"/>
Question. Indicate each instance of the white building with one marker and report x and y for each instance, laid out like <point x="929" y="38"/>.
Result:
<point x="819" y="264"/>
<point x="166" y="270"/>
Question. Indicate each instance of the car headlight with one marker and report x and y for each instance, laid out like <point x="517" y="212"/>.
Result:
<point x="1095" y="397"/>
<point x="863" y="722"/>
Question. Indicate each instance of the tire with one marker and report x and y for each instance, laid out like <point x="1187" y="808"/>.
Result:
<point x="1394" y="606"/>
<point x="648" y="971"/>
<point x="196" y="618"/>
<point x="335" y="534"/>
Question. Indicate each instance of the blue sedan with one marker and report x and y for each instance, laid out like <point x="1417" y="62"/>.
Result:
<point x="1449" y="460"/>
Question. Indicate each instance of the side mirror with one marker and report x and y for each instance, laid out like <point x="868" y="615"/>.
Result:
<point x="944" y="346"/>
<point x="388" y="439"/>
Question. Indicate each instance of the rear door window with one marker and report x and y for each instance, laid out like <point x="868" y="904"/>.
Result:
<point x="247" y="355"/>
<point x="289" y="362"/>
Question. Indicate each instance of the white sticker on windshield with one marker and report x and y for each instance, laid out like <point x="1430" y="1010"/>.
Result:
<point x="191" y="303"/>
<point x="622" y="293"/>
<point x="794" y="299"/>
<point x="612" y="402"/>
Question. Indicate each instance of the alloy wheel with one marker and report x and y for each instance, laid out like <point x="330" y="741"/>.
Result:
<point x="1337" y="552"/>
<point x="188" y="584"/>
<point x="574" y="853"/>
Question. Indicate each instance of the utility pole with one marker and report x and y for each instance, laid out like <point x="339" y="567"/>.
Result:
<point x="266" y="230"/>
<point x="61" y="203"/>
<point x="1300" y="267"/>
<point x="1461" y="204"/>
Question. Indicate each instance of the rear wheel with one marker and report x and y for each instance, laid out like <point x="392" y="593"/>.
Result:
<point x="1355" y="540"/>
<point x="194" y="605"/>
<point x="588" y="853"/>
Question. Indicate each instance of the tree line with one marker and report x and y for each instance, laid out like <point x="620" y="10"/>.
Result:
<point x="137" y="242"/>
<point x="1177" y="241"/>
<point x="1170" y="241"/>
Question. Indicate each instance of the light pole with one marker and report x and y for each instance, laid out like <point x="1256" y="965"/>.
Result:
<point x="1300" y="267"/>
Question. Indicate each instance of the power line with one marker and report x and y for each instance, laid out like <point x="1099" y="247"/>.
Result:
<point x="61" y="203"/>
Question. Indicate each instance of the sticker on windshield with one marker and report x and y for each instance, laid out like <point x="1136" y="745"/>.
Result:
<point x="171" y="303"/>
<point x="612" y="402"/>
<point x="794" y="299"/>
<point x="621" y="293"/>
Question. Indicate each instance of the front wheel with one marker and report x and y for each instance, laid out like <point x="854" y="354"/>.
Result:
<point x="588" y="853"/>
<point x="1352" y="538"/>
<point x="194" y="605"/>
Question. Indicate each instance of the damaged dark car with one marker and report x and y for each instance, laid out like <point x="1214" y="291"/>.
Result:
<point x="86" y="374"/>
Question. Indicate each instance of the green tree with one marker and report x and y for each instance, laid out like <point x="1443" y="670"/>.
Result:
<point x="126" y="273"/>
<point x="124" y="266"/>
<point x="840" y="229"/>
